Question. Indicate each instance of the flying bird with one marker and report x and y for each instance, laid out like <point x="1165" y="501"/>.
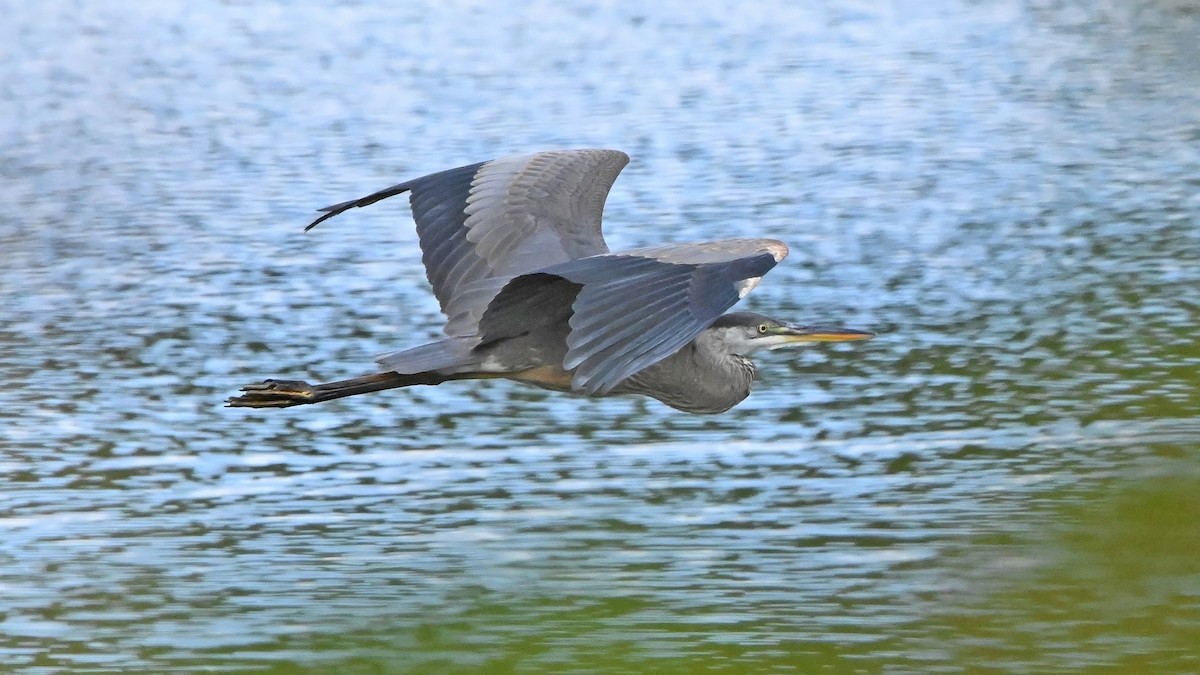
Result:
<point x="514" y="251"/>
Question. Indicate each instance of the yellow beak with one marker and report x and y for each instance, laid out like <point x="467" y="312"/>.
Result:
<point x="792" y="334"/>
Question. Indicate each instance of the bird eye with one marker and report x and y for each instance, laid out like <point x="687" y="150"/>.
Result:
<point x="763" y="328"/>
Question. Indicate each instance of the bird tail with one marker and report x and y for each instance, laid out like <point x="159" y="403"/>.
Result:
<point x="452" y="355"/>
<point x="288" y="393"/>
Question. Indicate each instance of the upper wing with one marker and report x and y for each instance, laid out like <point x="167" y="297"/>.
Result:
<point x="635" y="308"/>
<point x="482" y="224"/>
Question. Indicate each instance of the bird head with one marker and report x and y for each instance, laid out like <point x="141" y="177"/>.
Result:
<point x="744" y="333"/>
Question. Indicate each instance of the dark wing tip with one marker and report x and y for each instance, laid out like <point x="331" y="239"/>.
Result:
<point x="331" y="211"/>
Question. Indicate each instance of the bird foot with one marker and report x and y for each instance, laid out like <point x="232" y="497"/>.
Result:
<point x="274" y="394"/>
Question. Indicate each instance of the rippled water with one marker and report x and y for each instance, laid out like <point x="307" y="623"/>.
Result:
<point x="1007" y="477"/>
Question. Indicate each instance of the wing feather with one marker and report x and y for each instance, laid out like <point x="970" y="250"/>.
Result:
<point x="637" y="307"/>
<point x="620" y="333"/>
<point x="603" y="320"/>
<point x="500" y="219"/>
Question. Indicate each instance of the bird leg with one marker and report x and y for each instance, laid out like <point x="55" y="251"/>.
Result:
<point x="274" y="394"/>
<point x="287" y="393"/>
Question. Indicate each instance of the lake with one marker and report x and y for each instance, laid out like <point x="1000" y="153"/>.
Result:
<point x="1007" y="478"/>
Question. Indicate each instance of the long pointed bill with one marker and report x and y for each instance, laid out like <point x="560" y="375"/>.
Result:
<point x="792" y="335"/>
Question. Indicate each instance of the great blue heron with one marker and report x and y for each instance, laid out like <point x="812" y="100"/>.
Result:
<point x="515" y="254"/>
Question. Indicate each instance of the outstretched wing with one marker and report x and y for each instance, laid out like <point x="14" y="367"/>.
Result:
<point x="635" y="308"/>
<point x="483" y="224"/>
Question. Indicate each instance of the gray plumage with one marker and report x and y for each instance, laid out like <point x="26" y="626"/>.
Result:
<point x="514" y="251"/>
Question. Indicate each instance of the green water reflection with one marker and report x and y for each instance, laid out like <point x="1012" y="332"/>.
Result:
<point x="1110" y="582"/>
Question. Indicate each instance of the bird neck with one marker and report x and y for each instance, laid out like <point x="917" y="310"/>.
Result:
<point x="721" y="377"/>
<point x="737" y="368"/>
<point x="698" y="378"/>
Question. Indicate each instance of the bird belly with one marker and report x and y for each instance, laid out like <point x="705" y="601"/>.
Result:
<point x="547" y="377"/>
